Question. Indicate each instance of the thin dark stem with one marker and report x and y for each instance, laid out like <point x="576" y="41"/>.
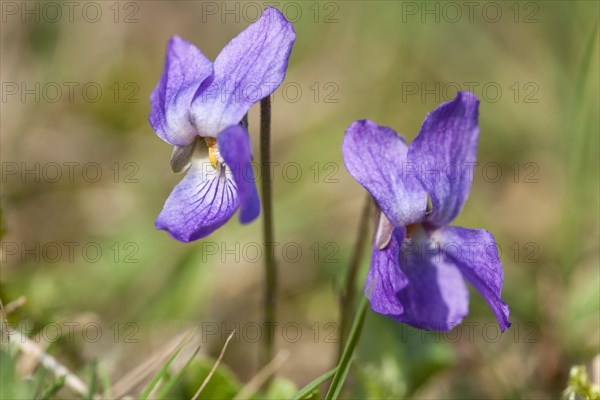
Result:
<point x="4" y="324"/>
<point x="268" y="235"/>
<point x="347" y="296"/>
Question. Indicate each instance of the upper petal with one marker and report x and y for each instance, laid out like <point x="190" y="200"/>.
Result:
<point x="377" y="158"/>
<point x="435" y="296"/>
<point x="203" y="201"/>
<point x="445" y="151"/>
<point x="247" y="70"/>
<point x="185" y="69"/>
<point x="475" y="253"/>
<point x="235" y="148"/>
<point x="385" y="279"/>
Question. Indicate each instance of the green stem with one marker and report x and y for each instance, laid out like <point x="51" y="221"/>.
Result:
<point x="347" y="296"/>
<point x="344" y="366"/>
<point x="268" y="236"/>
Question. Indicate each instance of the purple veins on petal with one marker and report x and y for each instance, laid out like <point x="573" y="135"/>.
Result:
<point x="202" y="202"/>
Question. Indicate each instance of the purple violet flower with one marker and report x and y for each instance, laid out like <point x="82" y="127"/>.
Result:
<point x="419" y="263"/>
<point x="198" y="102"/>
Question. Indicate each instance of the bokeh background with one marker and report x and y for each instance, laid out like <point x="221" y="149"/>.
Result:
<point x="129" y="291"/>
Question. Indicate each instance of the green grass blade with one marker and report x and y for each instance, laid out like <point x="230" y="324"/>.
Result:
<point x="577" y="160"/>
<point x="165" y="368"/>
<point x="344" y="366"/>
<point x="106" y="383"/>
<point x="39" y="383"/>
<point x="585" y="63"/>
<point x="158" y="376"/>
<point x="93" y="388"/>
<point x="166" y="388"/>
<point x="308" y="389"/>
<point x="54" y="388"/>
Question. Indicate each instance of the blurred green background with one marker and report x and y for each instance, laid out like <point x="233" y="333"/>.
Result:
<point x="533" y="65"/>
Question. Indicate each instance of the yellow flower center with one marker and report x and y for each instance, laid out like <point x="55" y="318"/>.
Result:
<point x="410" y="229"/>
<point x="213" y="152"/>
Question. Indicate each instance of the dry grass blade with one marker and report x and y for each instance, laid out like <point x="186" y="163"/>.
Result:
<point x="5" y="311"/>
<point x="29" y="348"/>
<point x="15" y="304"/>
<point x="214" y="368"/>
<point x="4" y="326"/>
<point x="126" y="384"/>
<point x="165" y="388"/>
<point x="263" y="375"/>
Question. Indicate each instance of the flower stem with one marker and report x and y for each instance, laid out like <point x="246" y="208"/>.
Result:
<point x="347" y="296"/>
<point x="268" y="235"/>
<point x="343" y="368"/>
